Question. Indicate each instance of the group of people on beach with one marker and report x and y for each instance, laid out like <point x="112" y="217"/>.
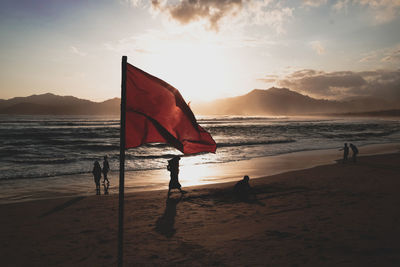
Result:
<point x="345" y="149"/>
<point x="242" y="189"/>
<point x="97" y="171"/>
<point x="173" y="168"/>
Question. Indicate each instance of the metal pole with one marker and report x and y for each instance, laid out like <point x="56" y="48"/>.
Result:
<point x="122" y="165"/>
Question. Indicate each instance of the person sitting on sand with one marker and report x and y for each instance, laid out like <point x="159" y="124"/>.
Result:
<point x="355" y="152"/>
<point x="173" y="167"/>
<point x="97" y="176"/>
<point x="242" y="189"/>
<point x="106" y="169"/>
<point x="345" y="152"/>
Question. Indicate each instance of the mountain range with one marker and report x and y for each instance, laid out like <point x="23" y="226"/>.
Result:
<point x="50" y="104"/>
<point x="273" y="101"/>
<point x="283" y="101"/>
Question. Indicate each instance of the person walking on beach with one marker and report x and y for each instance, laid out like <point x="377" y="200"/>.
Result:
<point x="97" y="176"/>
<point x="106" y="169"/>
<point x="345" y="152"/>
<point x="355" y="152"/>
<point x="173" y="168"/>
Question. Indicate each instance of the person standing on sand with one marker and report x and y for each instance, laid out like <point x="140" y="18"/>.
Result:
<point x="345" y="152"/>
<point x="173" y="167"/>
<point x="106" y="169"/>
<point x="355" y="152"/>
<point x="97" y="176"/>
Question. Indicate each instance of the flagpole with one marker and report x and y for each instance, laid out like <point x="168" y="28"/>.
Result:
<point x="122" y="164"/>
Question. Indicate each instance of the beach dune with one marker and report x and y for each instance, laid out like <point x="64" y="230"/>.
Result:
<point x="338" y="214"/>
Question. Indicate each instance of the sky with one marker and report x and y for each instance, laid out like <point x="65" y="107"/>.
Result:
<point x="207" y="49"/>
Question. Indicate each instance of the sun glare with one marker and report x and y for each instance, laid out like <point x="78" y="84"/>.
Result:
<point x="199" y="70"/>
<point x="193" y="173"/>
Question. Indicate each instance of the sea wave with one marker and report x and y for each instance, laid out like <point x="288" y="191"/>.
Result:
<point x="359" y="135"/>
<point x="44" y="146"/>
<point x="163" y="156"/>
<point x="27" y="175"/>
<point x="45" y="161"/>
<point x="253" y="143"/>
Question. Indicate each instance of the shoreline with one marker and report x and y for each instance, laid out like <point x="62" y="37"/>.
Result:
<point x="190" y="175"/>
<point x="328" y="215"/>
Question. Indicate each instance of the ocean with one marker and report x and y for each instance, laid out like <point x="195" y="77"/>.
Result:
<point x="46" y="149"/>
<point x="50" y="146"/>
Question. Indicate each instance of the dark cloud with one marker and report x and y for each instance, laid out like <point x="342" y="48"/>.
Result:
<point x="341" y="84"/>
<point x="187" y="11"/>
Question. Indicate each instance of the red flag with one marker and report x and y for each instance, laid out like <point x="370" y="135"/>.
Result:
<point x="157" y="113"/>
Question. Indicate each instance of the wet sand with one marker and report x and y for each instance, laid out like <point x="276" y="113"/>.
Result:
<point x="337" y="214"/>
<point x="136" y="181"/>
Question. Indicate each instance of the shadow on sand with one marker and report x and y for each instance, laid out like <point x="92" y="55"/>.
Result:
<point x="62" y="206"/>
<point x="221" y="196"/>
<point x="165" y="224"/>
<point x="210" y="198"/>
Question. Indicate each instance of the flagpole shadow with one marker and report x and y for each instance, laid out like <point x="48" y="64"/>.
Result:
<point x="165" y="223"/>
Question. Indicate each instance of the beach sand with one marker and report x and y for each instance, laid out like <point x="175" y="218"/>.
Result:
<point x="330" y="215"/>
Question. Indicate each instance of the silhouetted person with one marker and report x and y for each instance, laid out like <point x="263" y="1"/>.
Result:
<point x="242" y="189"/>
<point x="355" y="152"/>
<point x="345" y="152"/>
<point x="173" y="167"/>
<point x="97" y="176"/>
<point x="106" y="169"/>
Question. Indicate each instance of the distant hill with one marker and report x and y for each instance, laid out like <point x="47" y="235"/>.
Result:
<point x="273" y="101"/>
<point x="50" y="104"/>
<point x="282" y="101"/>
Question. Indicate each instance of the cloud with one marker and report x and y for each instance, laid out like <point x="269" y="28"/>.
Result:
<point x="341" y="5"/>
<point x="188" y="11"/>
<point x="314" y="3"/>
<point x="269" y="78"/>
<point x="389" y="56"/>
<point x="341" y="84"/>
<point x="136" y="3"/>
<point x="318" y="47"/>
<point x="392" y="56"/>
<point x="266" y="80"/>
<point x="368" y="57"/>
<point x="76" y="51"/>
<point x="383" y="10"/>
<point x="191" y="37"/>
<point x="213" y="13"/>
<point x="267" y="13"/>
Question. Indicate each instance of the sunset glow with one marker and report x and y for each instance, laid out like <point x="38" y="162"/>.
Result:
<point x="199" y="132"/>
<point x="207" y="49"/>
